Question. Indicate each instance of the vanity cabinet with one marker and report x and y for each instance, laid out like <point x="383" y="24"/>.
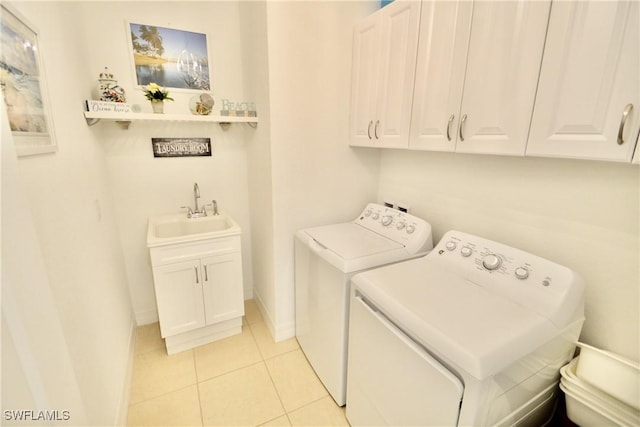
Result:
<point x="384" y="56"/>
<point x="476" y="77"/>
<point x="588" y="101"/>
<point x="199" y="291"/>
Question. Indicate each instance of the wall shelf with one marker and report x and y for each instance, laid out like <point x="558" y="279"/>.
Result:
<point x="125" y="119"/>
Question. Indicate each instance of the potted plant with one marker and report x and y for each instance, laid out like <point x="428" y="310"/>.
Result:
<point x="157" y="95"/>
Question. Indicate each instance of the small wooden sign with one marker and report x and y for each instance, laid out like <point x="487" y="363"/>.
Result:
<point x="181" y="147"/>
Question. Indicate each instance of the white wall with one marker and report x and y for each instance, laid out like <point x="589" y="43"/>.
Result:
<point x="316" y="177"/>
<point x="581" y="214"/>
<point x="69" y="200"/>
<point x="143" y="186"/>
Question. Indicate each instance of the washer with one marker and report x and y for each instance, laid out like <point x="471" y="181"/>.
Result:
<point x="474" y="333"/>
<point x="325" y="259"/>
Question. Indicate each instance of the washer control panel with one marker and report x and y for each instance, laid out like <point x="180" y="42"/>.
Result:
<point x="412" y="232"/>
<point x="537" y="283"/>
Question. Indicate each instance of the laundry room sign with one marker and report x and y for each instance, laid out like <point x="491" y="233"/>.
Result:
<point x="181" y="147"/>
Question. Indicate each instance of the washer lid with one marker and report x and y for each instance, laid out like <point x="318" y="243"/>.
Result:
<point x="350" y="241"/>
<point x="458" y="320"/>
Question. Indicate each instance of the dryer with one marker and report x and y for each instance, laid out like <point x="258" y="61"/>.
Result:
<point x="326" y="258"/>
<point x="474" y="333"/>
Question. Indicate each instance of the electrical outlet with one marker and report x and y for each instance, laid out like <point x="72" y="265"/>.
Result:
<point x="403" y="208"/>
<point x="389" y="204"/>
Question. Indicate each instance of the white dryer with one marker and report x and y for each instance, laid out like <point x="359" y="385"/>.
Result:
<point x="325" y="259"/>
<point x="474" y="333"/>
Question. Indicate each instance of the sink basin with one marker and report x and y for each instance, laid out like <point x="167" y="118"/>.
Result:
<point x="166" y="229"/>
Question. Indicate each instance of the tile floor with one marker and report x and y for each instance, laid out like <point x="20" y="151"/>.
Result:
<point x="246" y="379"/>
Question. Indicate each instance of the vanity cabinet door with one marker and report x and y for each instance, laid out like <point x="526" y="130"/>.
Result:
<point x="179" y="297"/>
<point x="222" y="287"/>
<point x="590" y="77"/>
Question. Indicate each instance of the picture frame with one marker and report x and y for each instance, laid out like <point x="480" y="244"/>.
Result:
<point x="23" y="85"/>
<point x="171" y="58"/>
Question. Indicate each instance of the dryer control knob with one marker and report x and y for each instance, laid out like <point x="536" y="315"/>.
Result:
<point x="401" y="225"/>
<point x="411" y="228"/>
<point x="521" y="273"/>
<point x="466" y="251"/>
<point x="386" y="220"/>
<point x="375" y="215"/>
<point x="491" y="262"/>
<point x="451" y="245"/>
<point x="367" y="212"/>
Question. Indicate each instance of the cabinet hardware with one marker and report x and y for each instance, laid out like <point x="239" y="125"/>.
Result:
<point x="449" y="126"/>
<point x="462" y="120"/>
<point x="625" y="114"/>
<point x="197" y="278"/>
<point x="206" y="273"/>
<point x="375" y="130"/>
<point x="369" y="129"/>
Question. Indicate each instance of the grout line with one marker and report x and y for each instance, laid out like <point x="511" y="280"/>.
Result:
<point x="195" y="367"/>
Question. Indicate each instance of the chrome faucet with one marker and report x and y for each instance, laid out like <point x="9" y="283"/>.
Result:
<point x="196" y="194"/>
<point x="197" y="213"/>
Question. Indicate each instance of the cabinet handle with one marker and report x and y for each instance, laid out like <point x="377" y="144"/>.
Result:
<point x="206" y="273"/>
<point x="462" y="120"/>
<point x="369" y="129"/>
<point x="625" y="114"/>
<point x="449" y="126"/>
<point x="197" y="278"/>
<point x="375" y="130"/>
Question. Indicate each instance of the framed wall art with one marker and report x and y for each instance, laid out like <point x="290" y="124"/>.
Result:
<point x="171" y="58"/>
<point x="23" y="85"/>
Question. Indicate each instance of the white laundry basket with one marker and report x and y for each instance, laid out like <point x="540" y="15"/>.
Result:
<point x="598" y="392"/>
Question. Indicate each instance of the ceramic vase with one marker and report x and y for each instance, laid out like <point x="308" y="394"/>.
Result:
<point x="108" y="88"/>
<point x="158" y="107"/>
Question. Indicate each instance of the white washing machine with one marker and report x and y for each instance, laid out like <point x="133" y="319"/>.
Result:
<point x="325" y="259"/>
<point x="472" y="334"/>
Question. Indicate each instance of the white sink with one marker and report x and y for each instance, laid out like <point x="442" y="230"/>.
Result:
<point x="176" y="228"/>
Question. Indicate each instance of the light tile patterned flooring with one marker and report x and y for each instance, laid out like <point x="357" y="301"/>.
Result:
<point x="246" y="379"/>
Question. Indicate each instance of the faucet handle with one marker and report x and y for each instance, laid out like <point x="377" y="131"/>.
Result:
<point x="189" y="210"/>
<point x="215" y="207"/>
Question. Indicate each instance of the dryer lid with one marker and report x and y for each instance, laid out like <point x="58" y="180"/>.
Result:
<point x="453" y="317"/>
<point x="351" y="241"/>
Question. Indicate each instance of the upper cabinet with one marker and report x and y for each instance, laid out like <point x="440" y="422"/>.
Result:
<point x="588" y="102"/>
<point x="477" y="71"/>
<point x="384" y="57"/>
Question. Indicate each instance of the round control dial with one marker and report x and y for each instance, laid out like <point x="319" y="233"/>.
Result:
<point x="451" y="245"/>
<point x="521" y="273"/>
<point x="410" y="228"/>
<point x="367" y="212"/>
<point x="386" y="220"/>
<point x="375" y="215"/>
<point x="466" y="251"/>
<point x="401" y="225"/>
<point x="491" y="262"/>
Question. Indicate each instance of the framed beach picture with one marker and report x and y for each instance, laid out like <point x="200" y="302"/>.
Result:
<point x="171" y="58"/>
<point x="23" y="85"/>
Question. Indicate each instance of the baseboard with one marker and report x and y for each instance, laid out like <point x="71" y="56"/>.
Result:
<point x="146" y="317"/>
<point x="125" y="394"/>
<point x="278" y="332"/>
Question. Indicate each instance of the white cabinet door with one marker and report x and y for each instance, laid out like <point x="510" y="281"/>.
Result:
<point x="179" y="297"/>
<point x="442" y="57"/>
<point x="384" y="57"/>
<point x="589" y="77"/>
<point x="364" y="81"/>
<point x="222" y="287"/>
<point x="503" y="64"/>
